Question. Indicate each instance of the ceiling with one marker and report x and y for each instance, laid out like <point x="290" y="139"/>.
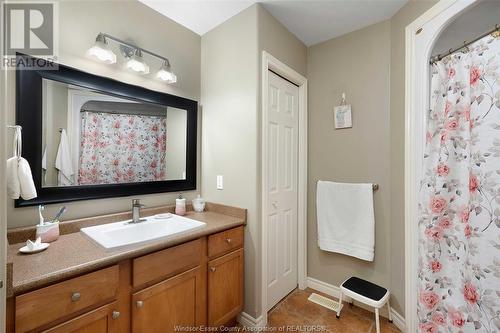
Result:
<point x="311" y="21"/>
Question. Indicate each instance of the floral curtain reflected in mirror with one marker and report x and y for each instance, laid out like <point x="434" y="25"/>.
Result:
<point x="121" y="148"/>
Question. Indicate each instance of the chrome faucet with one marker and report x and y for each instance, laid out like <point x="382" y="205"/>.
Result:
<point x="136" y="211"/>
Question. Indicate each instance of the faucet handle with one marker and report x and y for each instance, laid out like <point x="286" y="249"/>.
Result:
<point x="137" y="202"/>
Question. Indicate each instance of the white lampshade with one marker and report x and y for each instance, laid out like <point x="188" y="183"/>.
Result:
<point x="165" y="73"/>
<point x="100" y="51"/>
<point x="137" y="64"/>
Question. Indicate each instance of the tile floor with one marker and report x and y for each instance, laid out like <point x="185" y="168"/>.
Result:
<point x="296" y="311"/>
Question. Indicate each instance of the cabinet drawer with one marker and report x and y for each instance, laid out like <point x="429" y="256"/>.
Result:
<point x="100" y="320"/>
<point x="159" y="265"/>
<point x="57" y="301"/>
<point x="224" y="242"/>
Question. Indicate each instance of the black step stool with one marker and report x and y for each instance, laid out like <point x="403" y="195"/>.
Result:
<point x="367" y="293"/>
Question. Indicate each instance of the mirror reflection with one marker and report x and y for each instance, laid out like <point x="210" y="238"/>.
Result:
<point x="91" y="138"/>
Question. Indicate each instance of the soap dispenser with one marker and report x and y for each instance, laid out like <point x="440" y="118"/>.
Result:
<point x="180" y="205"/>
<point x="198" y="204"/>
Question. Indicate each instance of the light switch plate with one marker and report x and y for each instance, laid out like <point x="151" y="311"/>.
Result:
<point x="220" y="182"/>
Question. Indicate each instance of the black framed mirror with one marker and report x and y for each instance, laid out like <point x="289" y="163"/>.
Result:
<point x="89" y="137"/>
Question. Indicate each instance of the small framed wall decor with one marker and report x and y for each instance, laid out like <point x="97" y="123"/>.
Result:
<point x="342" y="115"/>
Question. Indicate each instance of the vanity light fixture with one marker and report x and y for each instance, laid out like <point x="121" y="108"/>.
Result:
<point x="133" y="55"/>
<point x="137" y="64"/>
<point x="165" y="73"/>
<point x="101" y="51"/>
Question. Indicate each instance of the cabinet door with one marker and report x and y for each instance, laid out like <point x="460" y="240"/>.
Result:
<point x="101" y="320"/>
<point x="225" y="288"/>
<point x="178" y="301"/>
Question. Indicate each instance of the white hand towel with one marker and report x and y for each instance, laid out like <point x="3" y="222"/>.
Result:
<point x="44" y="159"/>
<point x="28" y="189"/>
<point x="63" y="162"/>
<point x="346" y="221"/>
<point x="19" y="178"/>
<point x="13" y="186"/>
<point x="44" y="165"/>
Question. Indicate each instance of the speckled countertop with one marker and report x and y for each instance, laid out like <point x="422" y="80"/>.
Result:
<point x="74" y="254"/>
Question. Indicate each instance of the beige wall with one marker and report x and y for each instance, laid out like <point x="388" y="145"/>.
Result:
<point x="176" y="143"/>
<point x="230" y="95"/>
<point x="279" y="42"/>
<point x="403" y="17"/>
<point x="359" y="65"/>
<point x="229" y="135"/>
<point x="80" y="22"/>
<point x="369" y="66"/>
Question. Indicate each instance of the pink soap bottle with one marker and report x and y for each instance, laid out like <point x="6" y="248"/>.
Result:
<point x="180" y="205"/>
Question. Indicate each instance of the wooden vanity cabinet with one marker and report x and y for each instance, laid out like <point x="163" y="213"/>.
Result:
<point x="225" y="276"/>
<point x="196" y="283"/>
<point x="177" y="301"/>
<point x="225" y="288"/>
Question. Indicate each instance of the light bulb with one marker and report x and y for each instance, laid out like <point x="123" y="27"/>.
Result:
<point x="100" y="51"/>
<point x="165" y="73"/>
<point x="136" y="64"/>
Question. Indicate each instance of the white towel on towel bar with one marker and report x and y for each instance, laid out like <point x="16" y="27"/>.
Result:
<point x="63" y="162"/>
<point x="346" y="221"/>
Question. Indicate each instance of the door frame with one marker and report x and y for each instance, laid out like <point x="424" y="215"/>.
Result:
<point x="421" y="36"/>
<point x="271" y="63"/>
<point x="4" y="93"/>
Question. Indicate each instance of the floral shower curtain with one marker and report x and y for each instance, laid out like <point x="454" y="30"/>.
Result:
<point x="121" y="148"/>
<point x="459" y="225"/>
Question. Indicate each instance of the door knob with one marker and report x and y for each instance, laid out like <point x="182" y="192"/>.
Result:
<point x="139" y="304"/>
<point x="275" y="204"/>
<point x="75" y="297"/>
<point x="213" y="269"/>
<point x="228" y="240"/>
<point x="115" y="314"/>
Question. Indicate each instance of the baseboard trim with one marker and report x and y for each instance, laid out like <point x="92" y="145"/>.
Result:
<point x="247" y="320"/>
<point x="334" y="291"/>
<point x="398" y="320"/>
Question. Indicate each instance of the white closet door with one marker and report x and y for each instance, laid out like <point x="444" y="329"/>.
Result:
<point x="282" y="177"/>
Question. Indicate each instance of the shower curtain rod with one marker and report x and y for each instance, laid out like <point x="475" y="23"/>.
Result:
<point x="465" y="44"/>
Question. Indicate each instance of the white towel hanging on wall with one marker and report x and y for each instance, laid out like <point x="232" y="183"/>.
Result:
<point x="19" y="178"/>
<point x="346" y="220"/>
<point x="64" y="165"/>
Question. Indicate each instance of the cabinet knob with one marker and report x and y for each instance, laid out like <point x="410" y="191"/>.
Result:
<point x="228" y="240"/>
<point x="75" y="296"/>
<point x="115" y="314"/>
<point x="213" y="269"/>
<point x="139" y="304"/>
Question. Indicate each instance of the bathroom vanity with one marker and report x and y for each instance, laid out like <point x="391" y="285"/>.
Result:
<point x="194" y="279"/>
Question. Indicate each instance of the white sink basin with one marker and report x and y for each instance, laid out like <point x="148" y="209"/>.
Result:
<point x="121" y="234"/>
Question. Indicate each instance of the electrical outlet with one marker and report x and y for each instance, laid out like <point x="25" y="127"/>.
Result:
<point x="220" y="182"/>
